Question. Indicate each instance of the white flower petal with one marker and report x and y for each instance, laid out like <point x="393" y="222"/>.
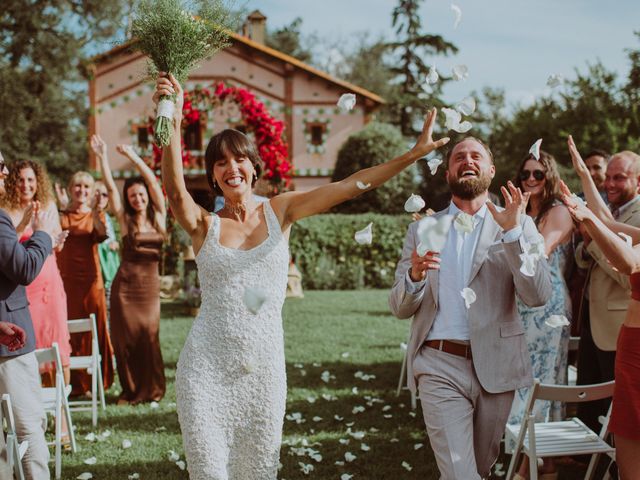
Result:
<point x="469" y="296"/>
<point x="134" y="476"/>
<point x="457" y="11"/>
<point x="432" y="233"/>
<point x="460" y="72"/>
<point x="340" y="463"/>
<point x="154" y="405"/>
<point x="346" y="102"/>
<point x="344" y="441"/>
<point x="557" y="321"/>
<point x="463" y="127"/>
<point x="346" y="476"/>
<point x="181" y="465"/>
<point x="357" y="409"/>
<point x="434" y="163"/>
<point x="306" y="468"/>
<point x="364" y="447"/>
<point x="464" y="223"/>
<point x="626" y="238"/>
<point x="414" y="203"/>
<point x="91" y="461"/>
<point x="452" y="117"/>
<point x="90" y="437"/>
<point x="407" y="466"/>
<point x="85" y="476"/>
<point x="466" y="106"/>
<point x="126" y="444"/>
<point x="432" y="76"/>
<point x="253" y="298"/>
<point x="535" y="149"/>
<point x="418" y="446"/>
<point x="362" y="186"/>
<point x="317" y="419"/>
<point x="349" y="457"/>
<point x="338" y="418"/>
<point x="529" y="261"/>
<point x="173" y="456"/>
<point x="365" y="236"/>
<point x="555" y="80"/>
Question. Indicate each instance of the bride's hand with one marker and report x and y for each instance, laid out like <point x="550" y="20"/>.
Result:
<point x="425" y="143"/>
<point x="169" y="86"/>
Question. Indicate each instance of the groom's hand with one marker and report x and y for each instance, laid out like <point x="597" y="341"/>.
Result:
<point x="420" y="265"/>
<point x="515" y="205"/>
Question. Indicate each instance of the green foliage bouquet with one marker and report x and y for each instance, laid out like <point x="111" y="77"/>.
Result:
<point x="176" y="35"/>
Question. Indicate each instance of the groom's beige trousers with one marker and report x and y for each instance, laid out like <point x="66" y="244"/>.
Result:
<point x="464" y="422"/>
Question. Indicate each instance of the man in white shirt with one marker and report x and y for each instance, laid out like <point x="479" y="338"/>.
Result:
<point x="467" y="361"/>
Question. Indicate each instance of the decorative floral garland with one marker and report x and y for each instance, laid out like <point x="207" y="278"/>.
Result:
<point x="267" y="131"/>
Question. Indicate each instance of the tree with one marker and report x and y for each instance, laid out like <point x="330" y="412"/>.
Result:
<point x="407" y="107"/>
<point x="42" y="92"/>
<point x="288" y="39"/>
<point x="373" y="145"/>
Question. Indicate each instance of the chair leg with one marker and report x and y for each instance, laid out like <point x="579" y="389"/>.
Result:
<point x="513" y="464"/>
<point x="101" y="388"/>
<point x="67" y="414"/>
<point x="94" y="392"/>
<point x="58" y="440"/>
<point x="593" y="463"/>
<point x="403" y="370"/>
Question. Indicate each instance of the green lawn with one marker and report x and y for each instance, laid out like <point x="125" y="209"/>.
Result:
<point x="339" y="332"/>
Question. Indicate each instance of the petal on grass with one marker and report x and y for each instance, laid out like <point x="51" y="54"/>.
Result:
<point x="90" y="461"/>
<point x="349" y="457"/>
<point x="126" y="444"/>
<point x="85" y="476"/>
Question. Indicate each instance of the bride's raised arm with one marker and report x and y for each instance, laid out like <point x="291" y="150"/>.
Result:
<point x="292" y="206"/>
<point x="189" y="214"/>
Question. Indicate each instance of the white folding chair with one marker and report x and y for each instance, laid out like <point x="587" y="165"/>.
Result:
<point x="572" y="371"/>
<point x="403" y="378"/>
<point x="553" y="439"/>
<point x="55" y="401"/>
<point x="15" y="450"/>
<point x="91" y="364"/>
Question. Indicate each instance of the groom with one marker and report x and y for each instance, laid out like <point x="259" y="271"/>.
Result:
<point x="467" y="362"/>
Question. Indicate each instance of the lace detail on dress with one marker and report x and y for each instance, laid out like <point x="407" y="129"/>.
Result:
<point x="230" y="379"/>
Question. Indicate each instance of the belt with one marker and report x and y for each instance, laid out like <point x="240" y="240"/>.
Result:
<point x="453" y="348"/>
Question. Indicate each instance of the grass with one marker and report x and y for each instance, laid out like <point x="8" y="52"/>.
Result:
<point x="339" y="332"/>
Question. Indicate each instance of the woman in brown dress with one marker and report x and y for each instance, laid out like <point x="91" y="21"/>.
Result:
<point x="80" y="270"/>
<point x="135" y="293"/>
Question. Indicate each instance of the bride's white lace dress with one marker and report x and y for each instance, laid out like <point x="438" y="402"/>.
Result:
<point x="230" y="379"/>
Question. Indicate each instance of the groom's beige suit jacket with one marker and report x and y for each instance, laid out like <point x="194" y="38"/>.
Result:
<point x="499" y="351"/>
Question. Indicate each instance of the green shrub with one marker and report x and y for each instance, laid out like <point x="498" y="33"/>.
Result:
<point x="329" y="258"/>
<point x="375" y="144"/>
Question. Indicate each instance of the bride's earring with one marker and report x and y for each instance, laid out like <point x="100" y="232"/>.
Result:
<point x="215" y="185"/>
<point x="255" y="177"/>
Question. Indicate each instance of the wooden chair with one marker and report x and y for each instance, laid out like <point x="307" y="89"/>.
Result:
<point x="91" y="364"/>
<point x="56" y="402"/>
<point x="15" y="450"/>
<point x="553" y="439"/>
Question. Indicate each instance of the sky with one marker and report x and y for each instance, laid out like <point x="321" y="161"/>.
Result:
<point x="511" y="44"/>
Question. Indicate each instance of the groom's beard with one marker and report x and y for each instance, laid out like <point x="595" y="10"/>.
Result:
<point x="470" y="188"/>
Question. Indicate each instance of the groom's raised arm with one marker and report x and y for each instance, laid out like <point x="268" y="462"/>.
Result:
<point x="405" y="303"/>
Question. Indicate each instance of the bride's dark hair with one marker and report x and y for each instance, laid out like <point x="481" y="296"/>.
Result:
<point x="236" y="143"/>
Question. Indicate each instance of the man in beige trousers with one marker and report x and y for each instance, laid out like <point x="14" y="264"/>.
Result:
<point x="467" y="361"/>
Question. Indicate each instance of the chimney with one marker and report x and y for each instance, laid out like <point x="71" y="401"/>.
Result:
<point x="255" y="27"/>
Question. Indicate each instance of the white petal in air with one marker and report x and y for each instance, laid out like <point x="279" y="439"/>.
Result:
<point x="452" y="121"/>
<point x="554" y="80"/>
<point x="432" y="76"/>
<point x="253" y="299"/>
<point x="432" y="233"/>
<point x="365" y="236"/>
<point x="469" y="296"/>
<point x="434" y="163"/>
<point x="460" y="72"/>
<point x="463" y="127"/>
<point x="464" y="223"/>
<point x="466" y="106"/>
<point x="557" y="321"/>
<point x="535" y="149"/>
<point x="528" y="266"/>
<point x="347" y="101"/>
<point x="414" y="203"/>
<point x="362" y="186"/>
<point x="626" y="238"/>
<point x="457" y="11"/>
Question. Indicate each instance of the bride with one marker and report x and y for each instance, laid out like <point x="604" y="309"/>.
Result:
<point x="230" y="378"/>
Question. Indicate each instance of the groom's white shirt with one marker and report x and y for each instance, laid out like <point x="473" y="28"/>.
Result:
<point x="452" y="318"/>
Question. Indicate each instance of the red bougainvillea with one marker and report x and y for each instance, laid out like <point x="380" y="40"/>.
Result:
<point x="267" y="131"/>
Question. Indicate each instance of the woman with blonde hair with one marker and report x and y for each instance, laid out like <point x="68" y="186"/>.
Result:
<point x="28" y="185"/>
<point x="80" y="269"/>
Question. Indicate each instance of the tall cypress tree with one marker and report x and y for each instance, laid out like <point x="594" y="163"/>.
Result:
<point x="413" y="50"/>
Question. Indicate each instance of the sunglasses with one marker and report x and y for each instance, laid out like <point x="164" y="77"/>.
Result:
<point x="537" y="174"/>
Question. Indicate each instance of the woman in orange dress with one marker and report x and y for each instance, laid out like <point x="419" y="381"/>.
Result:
<point x="135" y="294"/>
<point x="80" y="269"/>
<point x="28" y="182"/>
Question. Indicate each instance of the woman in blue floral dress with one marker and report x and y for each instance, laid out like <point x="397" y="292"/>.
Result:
<point x="547" y="327"/>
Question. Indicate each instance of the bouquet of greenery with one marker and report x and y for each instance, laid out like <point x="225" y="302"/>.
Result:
<point x="176" y="35"/>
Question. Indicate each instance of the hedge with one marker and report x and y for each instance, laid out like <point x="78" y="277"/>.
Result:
<point x="329" y="258"/>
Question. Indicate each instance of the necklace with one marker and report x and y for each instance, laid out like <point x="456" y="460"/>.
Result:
<point x="236" y="208"/>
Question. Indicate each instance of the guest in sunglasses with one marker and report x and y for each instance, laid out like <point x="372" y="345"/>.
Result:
<point x="548" y="342"/>
<point x="107" y="250"/>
